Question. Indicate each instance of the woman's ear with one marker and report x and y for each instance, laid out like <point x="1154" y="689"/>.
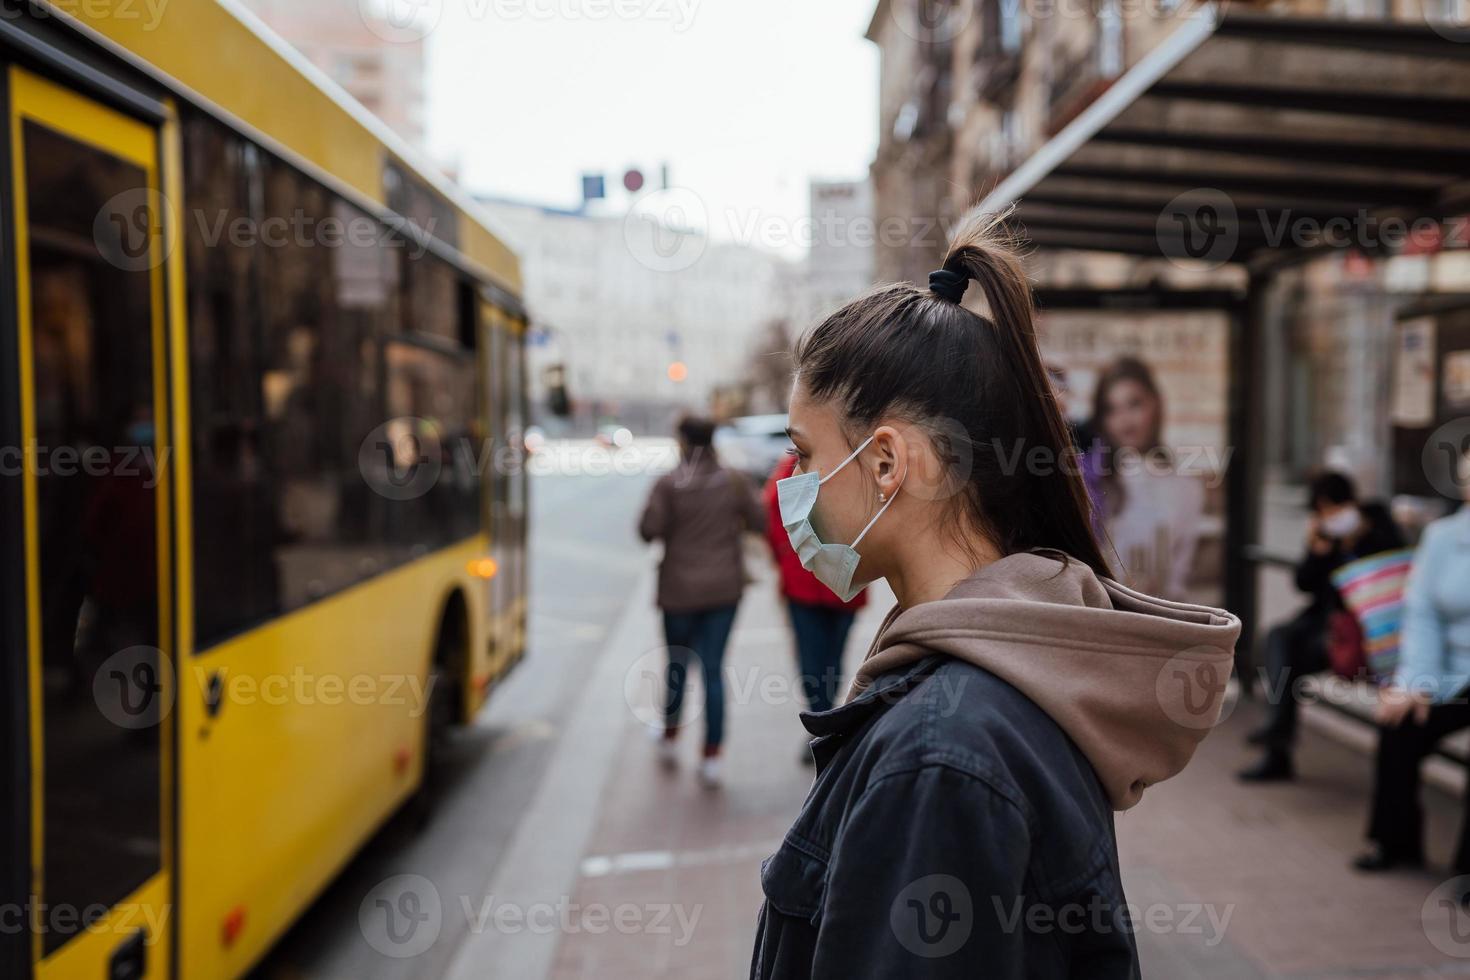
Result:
<point x="890" y="459"/>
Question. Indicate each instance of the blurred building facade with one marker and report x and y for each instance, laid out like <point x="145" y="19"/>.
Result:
<point x="844" y="235"/>
<point x="643" y="330"/>
<point x="970" y="89"/>
<point x="379" y="63"/>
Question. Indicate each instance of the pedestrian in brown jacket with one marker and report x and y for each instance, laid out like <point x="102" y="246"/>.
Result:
<point x="699" y="511"/>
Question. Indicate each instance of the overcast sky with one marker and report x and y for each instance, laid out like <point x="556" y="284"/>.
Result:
<point x="745" y="99"/>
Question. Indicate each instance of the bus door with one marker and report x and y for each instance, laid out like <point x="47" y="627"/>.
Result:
<point x="88" y="260"/>
<point x="494" y="346"/>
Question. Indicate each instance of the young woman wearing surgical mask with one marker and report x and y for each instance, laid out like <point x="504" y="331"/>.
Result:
<point x="1013" y="698"/>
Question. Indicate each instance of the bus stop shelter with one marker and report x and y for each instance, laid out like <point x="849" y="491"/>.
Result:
<point x="1254" y="141"/>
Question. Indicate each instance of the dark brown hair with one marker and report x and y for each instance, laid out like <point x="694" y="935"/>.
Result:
<point x="697" y="431"/>
<point x="905" y="351"/>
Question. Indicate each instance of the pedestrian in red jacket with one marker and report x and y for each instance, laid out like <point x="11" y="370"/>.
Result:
<point x="820" y="620"/>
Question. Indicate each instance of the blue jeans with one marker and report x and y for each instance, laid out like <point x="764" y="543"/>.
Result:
<point x="702" y="634"/>
<point x="821" y="635"/>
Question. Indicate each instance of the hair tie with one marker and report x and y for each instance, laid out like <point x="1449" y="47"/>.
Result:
<point x="947" y="284"/>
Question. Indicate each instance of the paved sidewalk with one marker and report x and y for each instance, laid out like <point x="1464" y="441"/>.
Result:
<point x="660" y="877"/>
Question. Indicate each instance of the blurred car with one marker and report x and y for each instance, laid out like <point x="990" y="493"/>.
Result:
<point x="614" y="436"/>
<point x="753" y="444"/>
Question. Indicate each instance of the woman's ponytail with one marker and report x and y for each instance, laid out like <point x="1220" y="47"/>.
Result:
<point x="922" y="354"/>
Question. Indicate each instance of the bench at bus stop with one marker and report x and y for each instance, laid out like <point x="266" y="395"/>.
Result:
<point x="1343" y="709"/>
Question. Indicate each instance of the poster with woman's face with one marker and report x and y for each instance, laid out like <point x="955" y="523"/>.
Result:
<point x="1146" y="393"/>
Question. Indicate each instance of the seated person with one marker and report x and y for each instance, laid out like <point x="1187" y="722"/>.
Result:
<point x="1428" y="696"/>
<point x="1341" y="530"/>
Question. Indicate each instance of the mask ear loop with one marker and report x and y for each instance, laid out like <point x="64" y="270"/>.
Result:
<point x="889" y="503"/>
<point x="849" y="459"/>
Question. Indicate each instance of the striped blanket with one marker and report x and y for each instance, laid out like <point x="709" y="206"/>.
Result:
<point x="1372" y="588"/>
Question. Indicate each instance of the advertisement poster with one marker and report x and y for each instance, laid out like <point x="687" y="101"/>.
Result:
<point x="1147" y="393"/>
<point x="1413" y="375"/>
<point x="1457" y="379"/>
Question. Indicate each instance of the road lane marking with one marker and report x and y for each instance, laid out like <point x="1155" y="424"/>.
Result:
<point x="602" y="865"/>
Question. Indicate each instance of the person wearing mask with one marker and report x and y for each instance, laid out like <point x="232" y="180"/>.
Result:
<point x="819" y="619"/>
<point x="700" y="511"/>
<point x="1013" y="699"/>
<point x="1340" y="530"/>
<point x="1427" y="698"/>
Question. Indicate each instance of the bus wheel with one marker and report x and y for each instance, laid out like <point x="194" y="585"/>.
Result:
<point x="437" y="719"/>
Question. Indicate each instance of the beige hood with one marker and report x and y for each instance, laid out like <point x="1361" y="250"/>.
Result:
<point x="1136" y="682"/>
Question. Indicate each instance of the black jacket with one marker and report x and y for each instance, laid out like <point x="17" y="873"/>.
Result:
<point x="953" y="830"/>
<point x="1314" y="572"/>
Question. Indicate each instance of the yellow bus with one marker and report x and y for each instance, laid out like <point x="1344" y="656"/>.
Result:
<point x="262" y="507"/>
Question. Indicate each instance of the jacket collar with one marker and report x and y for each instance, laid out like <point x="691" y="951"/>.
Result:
<point x="829" y="727"/>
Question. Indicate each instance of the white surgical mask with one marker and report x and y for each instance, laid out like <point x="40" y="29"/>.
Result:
<point x="832" y="564"/>
<point x="1343" y="523"/>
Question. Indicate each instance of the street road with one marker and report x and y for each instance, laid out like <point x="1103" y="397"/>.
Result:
<point x="585" y="561"/>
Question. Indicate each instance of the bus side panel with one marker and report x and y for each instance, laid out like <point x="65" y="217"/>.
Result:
<point x="317" y="738"/>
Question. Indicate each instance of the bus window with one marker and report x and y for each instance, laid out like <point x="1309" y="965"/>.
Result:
<point x="96" y="472"/>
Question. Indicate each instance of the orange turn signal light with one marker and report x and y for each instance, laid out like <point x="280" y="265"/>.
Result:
<point x="483" y="568"/>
